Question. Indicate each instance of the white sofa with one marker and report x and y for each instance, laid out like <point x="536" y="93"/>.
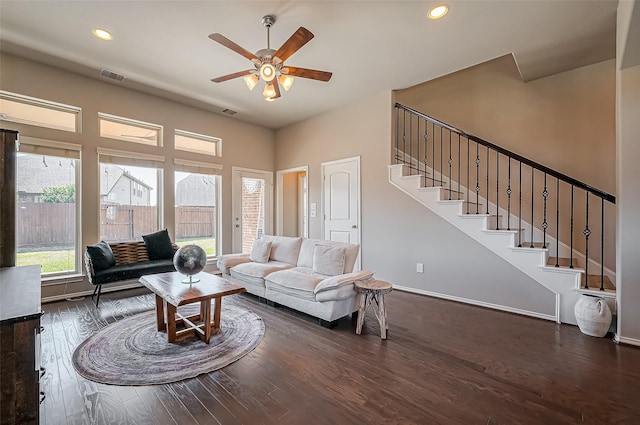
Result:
<point x="309" y="275"/>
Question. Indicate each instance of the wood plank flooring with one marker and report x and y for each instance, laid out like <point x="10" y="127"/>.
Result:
<point x="443" y="363"/>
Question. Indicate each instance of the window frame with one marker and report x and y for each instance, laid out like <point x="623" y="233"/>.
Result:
<point x="196" y="167"/>
<point x="45" y="104"/>
<point x="102" y="116"/>
<point x="49" y="147"/>
<point x="145" y="160"/>
<point x="216" y="141"/>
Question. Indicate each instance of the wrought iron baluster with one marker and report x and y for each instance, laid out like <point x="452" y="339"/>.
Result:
<point x="450" y="162"/>
<point x="433" y="155"/>
<point x="557" y="222"/>
<point x="571" y="233"/>
<point x="545" y="194"/>
<point x="520" y="207"/>
<point x="477" y="179"/>
<point x="397" y="159"/>
<point x="497" y="190"/>
<point x="459" y="190"/>
<point x="468" y="171"/>
<point x="602" y="245"/>
<point x="532" y="199"/>
<point x="404" y="138"/>
<point x="441" y="170"/>
<point x="509" y="193"/>
<point x="426" y="152"/>
<point x="586" y="232"/>
<point x="411" y="167"/>
<point x="487" y="207"/>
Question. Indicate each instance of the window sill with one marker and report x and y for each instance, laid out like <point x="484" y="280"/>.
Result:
<point x="61" y="280"/>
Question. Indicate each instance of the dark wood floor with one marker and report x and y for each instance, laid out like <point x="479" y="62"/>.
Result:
<point x="444" y="363"/>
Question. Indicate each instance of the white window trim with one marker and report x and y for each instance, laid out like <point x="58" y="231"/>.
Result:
<point x="215" y="140"/>
<point x="134" y="123"/>
<point x="48" y="104"/>
<point x="79" y="260"/>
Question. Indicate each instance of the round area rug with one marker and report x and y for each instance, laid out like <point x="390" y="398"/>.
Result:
<point x="133" y="352"/>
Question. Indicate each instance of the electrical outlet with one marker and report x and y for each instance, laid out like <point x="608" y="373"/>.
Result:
<point x="420" y="268"/>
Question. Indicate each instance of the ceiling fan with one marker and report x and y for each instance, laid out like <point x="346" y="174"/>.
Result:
<point x="269" y="64"/>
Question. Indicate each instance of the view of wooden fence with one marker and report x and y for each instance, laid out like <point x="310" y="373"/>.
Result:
<point x="53" y="224"/>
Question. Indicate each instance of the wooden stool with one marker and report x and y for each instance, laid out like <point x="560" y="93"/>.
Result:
<point x="373" y="290"/>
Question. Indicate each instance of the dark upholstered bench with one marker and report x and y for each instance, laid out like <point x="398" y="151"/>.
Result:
<point x="131" y="262"/>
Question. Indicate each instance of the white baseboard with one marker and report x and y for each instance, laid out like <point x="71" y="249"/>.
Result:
<point x="625" y="340"/>
<point x="476" y="302"/>
<point x="89" y="293"/>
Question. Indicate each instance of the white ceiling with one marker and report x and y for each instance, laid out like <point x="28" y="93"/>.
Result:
<point x="370" y="46"/>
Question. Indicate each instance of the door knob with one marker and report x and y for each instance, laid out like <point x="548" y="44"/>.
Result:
<point x="354" y="226"/>
<point x="237" y="225"/>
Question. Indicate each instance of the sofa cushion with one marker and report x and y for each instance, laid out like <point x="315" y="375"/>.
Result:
<point x="284" y="248"/>
<point x="256" y="272"/>
<point x="299" y="282"/>
<point x="159" y="245"/>
<point x="101" y="256"/>
<point x="260" y="251"/>
<point x="305" y="259"/>
<point x="328" y="260"/>
<point x="227" y="261"/>
<point x="132" y="271"/>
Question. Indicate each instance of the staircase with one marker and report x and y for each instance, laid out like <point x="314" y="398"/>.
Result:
<point x="458" y="176"/>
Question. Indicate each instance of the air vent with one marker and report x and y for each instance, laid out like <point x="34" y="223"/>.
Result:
<point x="229" y="111"/>
<point x="108" y="74"/>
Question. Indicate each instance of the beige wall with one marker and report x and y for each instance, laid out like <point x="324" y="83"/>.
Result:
<point x="628" y="172"/>
<point x="565" y="121"/>
<point x="29" y="78"/>
<point x="397" y="232"/>
<point x="290" y="204"/>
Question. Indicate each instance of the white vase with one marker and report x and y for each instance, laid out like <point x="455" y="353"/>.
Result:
<point x="593" y="315"/>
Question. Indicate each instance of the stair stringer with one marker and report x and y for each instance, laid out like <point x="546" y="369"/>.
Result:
<point x="531" y="261"/>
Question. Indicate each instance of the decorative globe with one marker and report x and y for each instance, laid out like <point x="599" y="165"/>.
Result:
<point x="190" y="260"/>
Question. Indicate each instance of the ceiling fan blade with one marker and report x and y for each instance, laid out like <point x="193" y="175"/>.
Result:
<point x="232" y="76"/>
<point x="298" y="39"/>
<point x="307" y="73"/>
<point x="233" y="46"/>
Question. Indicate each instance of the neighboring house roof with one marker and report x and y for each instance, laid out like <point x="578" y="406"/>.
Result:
<point x="36" y="172"/>
<point x="196" y="190"/>
<point x="110" y="174"/>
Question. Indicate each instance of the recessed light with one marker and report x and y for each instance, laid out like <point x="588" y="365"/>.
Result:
<point x="102" y="34"/>
<point x="438" y="11"/>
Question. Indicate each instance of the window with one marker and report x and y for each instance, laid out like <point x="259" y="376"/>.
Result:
<point x="198" y="143"/>
<point x="47" y="225"/>
<point x="130" y="130"/>
<point x="129" y="191"/>
<point x="197" y="214"/>
<point x="42" y="113"/>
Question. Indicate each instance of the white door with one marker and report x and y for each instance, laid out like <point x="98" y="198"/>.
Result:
<point x="251" y="210"/>
<point x="341" y="200"/>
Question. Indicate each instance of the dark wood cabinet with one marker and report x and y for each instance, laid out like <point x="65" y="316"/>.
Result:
<point x="20" y="311"/>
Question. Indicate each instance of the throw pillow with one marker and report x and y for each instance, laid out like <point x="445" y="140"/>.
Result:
<point x="101" y="256"/>
<point x="328" y="260"/>
<point x="260" y="251"/>
<point x="159" y="245"/>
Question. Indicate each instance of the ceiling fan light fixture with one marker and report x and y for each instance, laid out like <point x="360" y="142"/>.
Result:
<point x="251" y="81"/>
<point x="269" y="91"/>
<point x="438" y="11"/>
<point x="267" y="72"/>
<point x="286" y="81"/>
<point x="270" y="99"/>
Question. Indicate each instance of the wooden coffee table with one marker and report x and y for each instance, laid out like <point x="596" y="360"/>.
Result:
<point x="171" y="293"/>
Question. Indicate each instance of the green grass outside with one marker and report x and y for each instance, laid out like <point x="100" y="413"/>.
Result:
<point x="63" y="260"/>
<point x="51" y="261"/>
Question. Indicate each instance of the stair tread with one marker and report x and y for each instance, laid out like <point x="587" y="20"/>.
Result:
<point x="594" y="283"/>
<point x="562" y="262"/>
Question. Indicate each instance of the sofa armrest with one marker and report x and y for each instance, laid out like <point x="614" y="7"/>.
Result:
<point x="334" y="282"/>
<point x="225" y="262"/>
